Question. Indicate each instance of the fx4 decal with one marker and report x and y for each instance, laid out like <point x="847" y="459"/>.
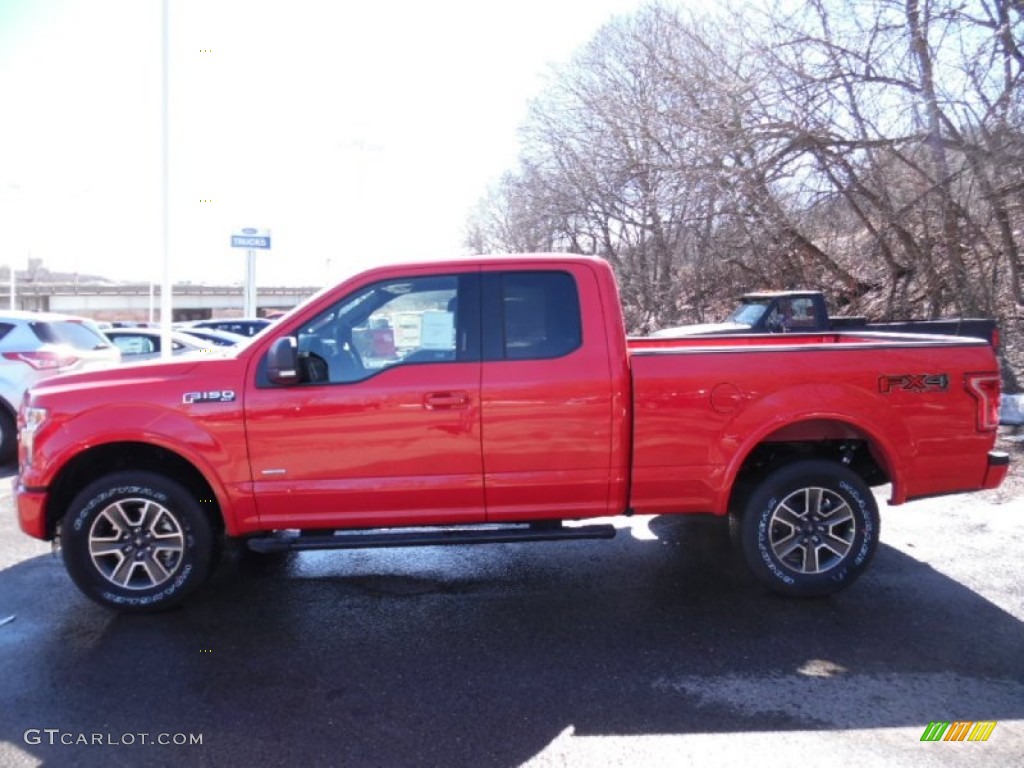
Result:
<point x="913" y="382"/>
<point x="213" y="396"/>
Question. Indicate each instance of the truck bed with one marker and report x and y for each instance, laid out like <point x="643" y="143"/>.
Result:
<point x="896" y="393"/>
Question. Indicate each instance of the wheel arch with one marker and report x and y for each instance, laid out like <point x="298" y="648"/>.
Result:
<point x="104" y="459"/>
<point x="833" y="438"/>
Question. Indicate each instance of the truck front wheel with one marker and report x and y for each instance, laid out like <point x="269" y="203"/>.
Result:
<point x="136" y="542"/>
<point x="809" y="529"/>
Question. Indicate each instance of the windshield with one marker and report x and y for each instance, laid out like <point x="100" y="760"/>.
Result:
<point x="748" y="313"/>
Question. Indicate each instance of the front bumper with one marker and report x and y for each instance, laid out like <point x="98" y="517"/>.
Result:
<point x="31" y="511"/>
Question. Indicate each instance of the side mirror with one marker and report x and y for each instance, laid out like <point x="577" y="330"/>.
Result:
<point x="283" y="361"/>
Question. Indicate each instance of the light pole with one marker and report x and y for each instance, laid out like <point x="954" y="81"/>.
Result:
<point x="165" y="289"/>
<point x="15" y="198"/>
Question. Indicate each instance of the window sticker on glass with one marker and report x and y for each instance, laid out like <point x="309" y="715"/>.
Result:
<point x="437" y="330"/>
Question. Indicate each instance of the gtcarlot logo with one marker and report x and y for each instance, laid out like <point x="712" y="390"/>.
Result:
<point x="958" y="730"/>
<point x="56" y="737"/>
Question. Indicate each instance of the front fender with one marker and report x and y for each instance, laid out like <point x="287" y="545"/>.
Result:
<point x="214" y="445"/>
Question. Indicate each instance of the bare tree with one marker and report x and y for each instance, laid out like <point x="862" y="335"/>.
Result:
<point x="911" y="109"/>
<point x="877" y="154"/>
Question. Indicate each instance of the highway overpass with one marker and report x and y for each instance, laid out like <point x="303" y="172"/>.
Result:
<point x="141" y="301"/>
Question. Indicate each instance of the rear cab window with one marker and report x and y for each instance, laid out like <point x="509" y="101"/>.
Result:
<point x="531" y="315"/>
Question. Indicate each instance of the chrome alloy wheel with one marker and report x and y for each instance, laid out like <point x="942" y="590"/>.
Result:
<point x="136" y="543"/>
<point x="812" y="530"/>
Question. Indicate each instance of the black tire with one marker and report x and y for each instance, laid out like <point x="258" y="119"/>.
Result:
<point x="8" y="438"/>
<point x="809" y="529"/>
<point x="137" y="542"/>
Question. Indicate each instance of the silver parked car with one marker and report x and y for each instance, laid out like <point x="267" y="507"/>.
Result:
<point x="138" y="344"/>
<point x="37" y="345"/>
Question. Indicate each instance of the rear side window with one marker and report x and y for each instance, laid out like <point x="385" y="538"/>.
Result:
<point x="798" y="313"/>
<point x="5" y="328"/>
<point x="540" y="316"/>
<point x="135" y="345"/>
<point x="76" y="335"/>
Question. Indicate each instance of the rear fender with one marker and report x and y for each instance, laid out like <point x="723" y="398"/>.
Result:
<point x="862" y="413"/>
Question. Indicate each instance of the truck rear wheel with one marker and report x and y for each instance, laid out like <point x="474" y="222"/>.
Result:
<point x="809" y="529"/>
<point x="137" y="542"/>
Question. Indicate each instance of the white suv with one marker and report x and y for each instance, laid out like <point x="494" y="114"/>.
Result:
<point x="36" y="345"/>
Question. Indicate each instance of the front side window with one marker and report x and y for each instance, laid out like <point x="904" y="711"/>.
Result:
<point x="394" y="322"/>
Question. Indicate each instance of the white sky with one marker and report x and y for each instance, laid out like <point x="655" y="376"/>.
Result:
<point x="357" y="133"/>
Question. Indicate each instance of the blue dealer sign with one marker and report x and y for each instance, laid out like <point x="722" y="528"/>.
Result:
<point x="251" y="238"/>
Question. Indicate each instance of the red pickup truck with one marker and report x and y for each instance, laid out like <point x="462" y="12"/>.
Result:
<point x="512" y="403"/>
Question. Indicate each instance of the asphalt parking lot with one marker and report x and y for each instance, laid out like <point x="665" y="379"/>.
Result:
<point x="653" y="649"/>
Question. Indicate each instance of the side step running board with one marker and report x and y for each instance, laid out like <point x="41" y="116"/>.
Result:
<point x="427" y="537"/>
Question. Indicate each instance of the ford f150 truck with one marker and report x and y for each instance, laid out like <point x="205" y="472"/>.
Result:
<point x="514" y="404"/>
<point x="807" y="312"/>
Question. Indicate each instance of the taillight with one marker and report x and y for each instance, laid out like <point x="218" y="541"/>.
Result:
<point x="43" y="360"/>
<point x="995" y="339"/>
<point x="985" y="387"/>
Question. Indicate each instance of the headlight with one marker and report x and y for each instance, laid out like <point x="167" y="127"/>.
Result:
<point x="32" y="419"/>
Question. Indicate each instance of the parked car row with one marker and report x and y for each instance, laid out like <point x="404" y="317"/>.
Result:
<point x="37" y="345"/>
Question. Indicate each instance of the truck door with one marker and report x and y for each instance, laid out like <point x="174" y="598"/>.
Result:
<point x="373" y="434"/>
<point x="546" y="396"/>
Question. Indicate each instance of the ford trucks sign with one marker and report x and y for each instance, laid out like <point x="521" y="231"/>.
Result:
<point x="250" y="237"/>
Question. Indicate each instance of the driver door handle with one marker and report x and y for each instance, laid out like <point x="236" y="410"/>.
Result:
<point x="438" y="401"/>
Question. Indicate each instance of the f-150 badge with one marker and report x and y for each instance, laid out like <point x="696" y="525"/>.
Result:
<point x="213" y="396"/>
